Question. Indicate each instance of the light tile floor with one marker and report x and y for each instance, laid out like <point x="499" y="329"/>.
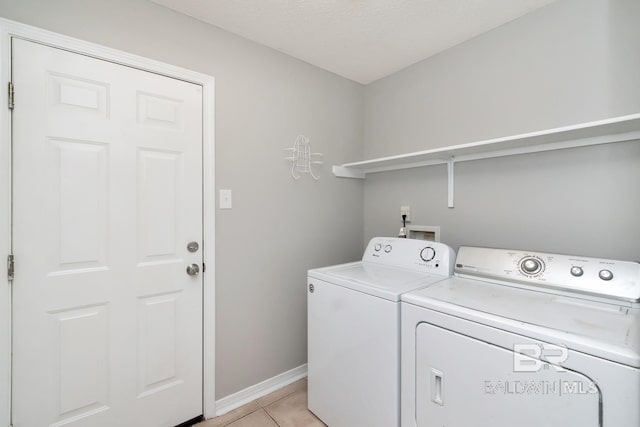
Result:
<point x="286" y="407"/>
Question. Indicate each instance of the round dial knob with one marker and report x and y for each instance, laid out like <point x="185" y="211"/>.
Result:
<point x="428" y="253"/>
<point x="531" y="266"/>
<point x="605" y="274"/>
<point x="577" y="271"/>
<point x="387" y="248"/>
<point x="377" y="247"/>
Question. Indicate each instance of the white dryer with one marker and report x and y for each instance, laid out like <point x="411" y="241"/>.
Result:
<point x="523" y="339"/>
<point x="354" y="329"/>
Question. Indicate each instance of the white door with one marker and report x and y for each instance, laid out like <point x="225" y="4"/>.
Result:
<point x="107" y="193"/>
<point x="462" y="381"/>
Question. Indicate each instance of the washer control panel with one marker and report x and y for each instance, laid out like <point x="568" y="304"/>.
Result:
<point x="591" y="276"/>
<point x="413" y="254"/>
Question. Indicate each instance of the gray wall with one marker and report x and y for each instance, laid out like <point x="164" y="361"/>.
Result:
<point x="277" y="228"/>
<point x="570" y="62"/>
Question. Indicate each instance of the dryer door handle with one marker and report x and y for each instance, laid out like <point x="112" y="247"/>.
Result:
<point x="437" y="386"/>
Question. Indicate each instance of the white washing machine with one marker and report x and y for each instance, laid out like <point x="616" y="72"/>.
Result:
<point x="523" y="339"/>
<point x="354" y="329"/>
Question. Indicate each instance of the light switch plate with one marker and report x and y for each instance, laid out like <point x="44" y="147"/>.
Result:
<point x="225" y="199"/>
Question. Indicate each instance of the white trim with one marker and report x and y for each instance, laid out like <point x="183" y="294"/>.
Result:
<point x="209" y="251"/>
<point x="5" y="233"/>
<point x="259" y="390"/>
<point x="9" y="29"/>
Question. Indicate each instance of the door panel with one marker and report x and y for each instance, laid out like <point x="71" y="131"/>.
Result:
<point x="82" y="169"/>
<point x="107" y="325"/>
<point x="159" y="181"/>
<point x="462" y="381"/>
<point x="84" y="381"/>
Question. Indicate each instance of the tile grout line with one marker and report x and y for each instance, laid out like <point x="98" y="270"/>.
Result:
<point x="244" y="416"/>
<point x="263" y="408"/>
<point x="233" y="420"/>
<point x="269" y="415"/>
<point x="283" y="397"/>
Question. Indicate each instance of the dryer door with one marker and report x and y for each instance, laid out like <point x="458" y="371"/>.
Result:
<point x="462" y="381"/>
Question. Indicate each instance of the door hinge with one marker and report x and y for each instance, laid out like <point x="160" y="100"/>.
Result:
<point x="11" y="96"/>
<point x="10" y="267"/>
<point x="204" y="267"/>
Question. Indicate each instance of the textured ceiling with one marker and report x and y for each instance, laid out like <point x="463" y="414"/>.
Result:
<point x="362" y="40"/>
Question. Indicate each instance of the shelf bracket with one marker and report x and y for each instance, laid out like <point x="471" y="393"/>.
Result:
<point x="342" y="172"/>
<point x="450" y="184"/>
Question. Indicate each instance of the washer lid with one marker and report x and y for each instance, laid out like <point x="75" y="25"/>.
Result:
<point x="375" y="279"/>
<point x="605" y="330"/>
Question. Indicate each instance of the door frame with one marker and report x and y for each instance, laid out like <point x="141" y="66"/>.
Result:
<point x="11" y="29"/>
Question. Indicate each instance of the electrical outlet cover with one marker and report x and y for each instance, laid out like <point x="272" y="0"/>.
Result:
<point x="406" y="210"/>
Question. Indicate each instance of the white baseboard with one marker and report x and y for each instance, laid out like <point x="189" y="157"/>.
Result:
<point x="256" y="391"/>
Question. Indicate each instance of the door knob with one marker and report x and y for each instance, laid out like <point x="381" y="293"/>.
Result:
<point x="193" y="270"/>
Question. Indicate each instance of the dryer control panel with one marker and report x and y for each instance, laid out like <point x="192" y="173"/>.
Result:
<point x="412" y="254"/>
<point x="589" y="276"/>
